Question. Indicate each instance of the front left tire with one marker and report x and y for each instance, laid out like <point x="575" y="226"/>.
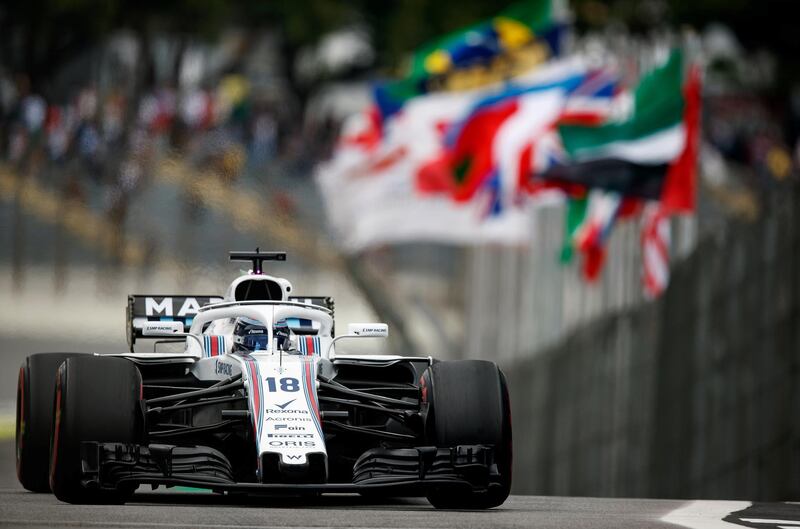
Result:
<point x="35" y="390"/>
<point x="96" y="399"/>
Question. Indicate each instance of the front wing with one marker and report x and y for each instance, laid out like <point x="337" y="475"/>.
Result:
<point x="401" y="472"/>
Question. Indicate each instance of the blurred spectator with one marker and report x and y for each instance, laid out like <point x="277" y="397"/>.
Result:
<point x="263" y="147"/>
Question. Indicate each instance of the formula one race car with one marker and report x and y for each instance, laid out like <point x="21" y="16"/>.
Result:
<point x="260" y="402"/>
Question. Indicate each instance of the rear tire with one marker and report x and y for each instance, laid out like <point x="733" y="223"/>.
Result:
<point x="35" y="389"/>
<point x="96" y="399"/>
<point x="468" y="404"/>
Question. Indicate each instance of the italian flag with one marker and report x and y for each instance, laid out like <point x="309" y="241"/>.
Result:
<point x="652" y="153"/>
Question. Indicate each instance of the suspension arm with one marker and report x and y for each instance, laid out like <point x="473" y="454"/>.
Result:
<point x="371" y="431"/>
<point x="205" y="402"/>
<point x="398" y="414"/>
<point x="331" y="386"/>
<point x="213" y="390"/>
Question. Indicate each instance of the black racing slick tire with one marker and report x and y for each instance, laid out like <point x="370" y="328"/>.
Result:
<point x="96" y="399"/>
<point x="468" y="404"/>
<point x="35" y="389"/>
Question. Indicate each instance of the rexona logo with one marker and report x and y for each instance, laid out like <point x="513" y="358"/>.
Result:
<point x="289" y="412"/>
<point x="293" y="444"/>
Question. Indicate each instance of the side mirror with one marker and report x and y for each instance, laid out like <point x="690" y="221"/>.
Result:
<point x="361" y="330"/>
<point x="368" y="330"/>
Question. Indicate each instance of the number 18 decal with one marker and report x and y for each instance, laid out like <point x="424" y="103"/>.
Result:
<point x="288" y="384"/>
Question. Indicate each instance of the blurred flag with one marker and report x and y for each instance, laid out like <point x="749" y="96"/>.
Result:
<point x="677" y="197"/>
<point x="590" y="219"/>
<point x="493" y="149"/>
<point x="463" y="167"/>
<point x="680" y="188"/>
<point x="655" y="249"/>
<point x="450" y="166"/>
<point x="485" y="148"/>
<point x="523" y="35"/>
<point x="576" y="210"/>
<point x="592" y="236"/>
<point x="651" y="153"/>
<point x="362" y="131"/>
<point x="372" y="196"/>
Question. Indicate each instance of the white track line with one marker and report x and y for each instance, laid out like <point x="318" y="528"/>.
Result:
<point x="705" y="514"/>
<point x="771" y="521"/>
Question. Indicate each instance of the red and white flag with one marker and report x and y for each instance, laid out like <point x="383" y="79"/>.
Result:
<point x="655" y="249"/>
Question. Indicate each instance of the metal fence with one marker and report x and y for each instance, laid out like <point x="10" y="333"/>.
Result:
<point x="523" y="299"/>
<point x="693" y="395"/>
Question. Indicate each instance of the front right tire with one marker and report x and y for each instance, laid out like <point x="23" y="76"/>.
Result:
<point x="468" y="404"/>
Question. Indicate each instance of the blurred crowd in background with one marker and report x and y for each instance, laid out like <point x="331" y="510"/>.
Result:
<point x="102" y="133"/>
<point x="237" y="103"/>
<point x="94" y="97"/>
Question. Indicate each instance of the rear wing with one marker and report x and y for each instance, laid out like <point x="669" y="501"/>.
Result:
<point x="160" y="307"/>
<point x="146" y="307"/>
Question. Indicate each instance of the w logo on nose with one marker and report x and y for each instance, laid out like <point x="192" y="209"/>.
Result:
<point x="294" y="457"/>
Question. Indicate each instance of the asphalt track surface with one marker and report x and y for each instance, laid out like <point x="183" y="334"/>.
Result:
<point x="19" y="508"/>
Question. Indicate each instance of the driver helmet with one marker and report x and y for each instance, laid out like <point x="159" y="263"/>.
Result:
<point x="250" y="335"/>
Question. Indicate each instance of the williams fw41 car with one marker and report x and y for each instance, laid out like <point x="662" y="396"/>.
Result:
<point x="260" y="402"/>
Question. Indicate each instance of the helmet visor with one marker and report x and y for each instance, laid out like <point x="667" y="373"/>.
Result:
<point x="256" y="342"/>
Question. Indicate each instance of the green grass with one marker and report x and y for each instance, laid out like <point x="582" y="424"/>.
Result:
<point x="7" y="429"/>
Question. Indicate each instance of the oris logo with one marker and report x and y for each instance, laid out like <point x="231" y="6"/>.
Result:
<point x="293" y="444"/>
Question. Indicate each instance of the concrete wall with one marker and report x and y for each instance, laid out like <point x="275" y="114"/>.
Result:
<point x="694" y="395"/>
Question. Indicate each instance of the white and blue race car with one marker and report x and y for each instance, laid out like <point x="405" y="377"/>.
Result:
<point x="260" y="402"/>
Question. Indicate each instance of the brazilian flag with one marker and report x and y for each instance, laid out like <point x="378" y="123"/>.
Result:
<point x="517" y="26"/>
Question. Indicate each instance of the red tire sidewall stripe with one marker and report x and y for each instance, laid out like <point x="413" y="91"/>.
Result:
<point x="20" y="421"/>
<point x="56" y="425"/>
